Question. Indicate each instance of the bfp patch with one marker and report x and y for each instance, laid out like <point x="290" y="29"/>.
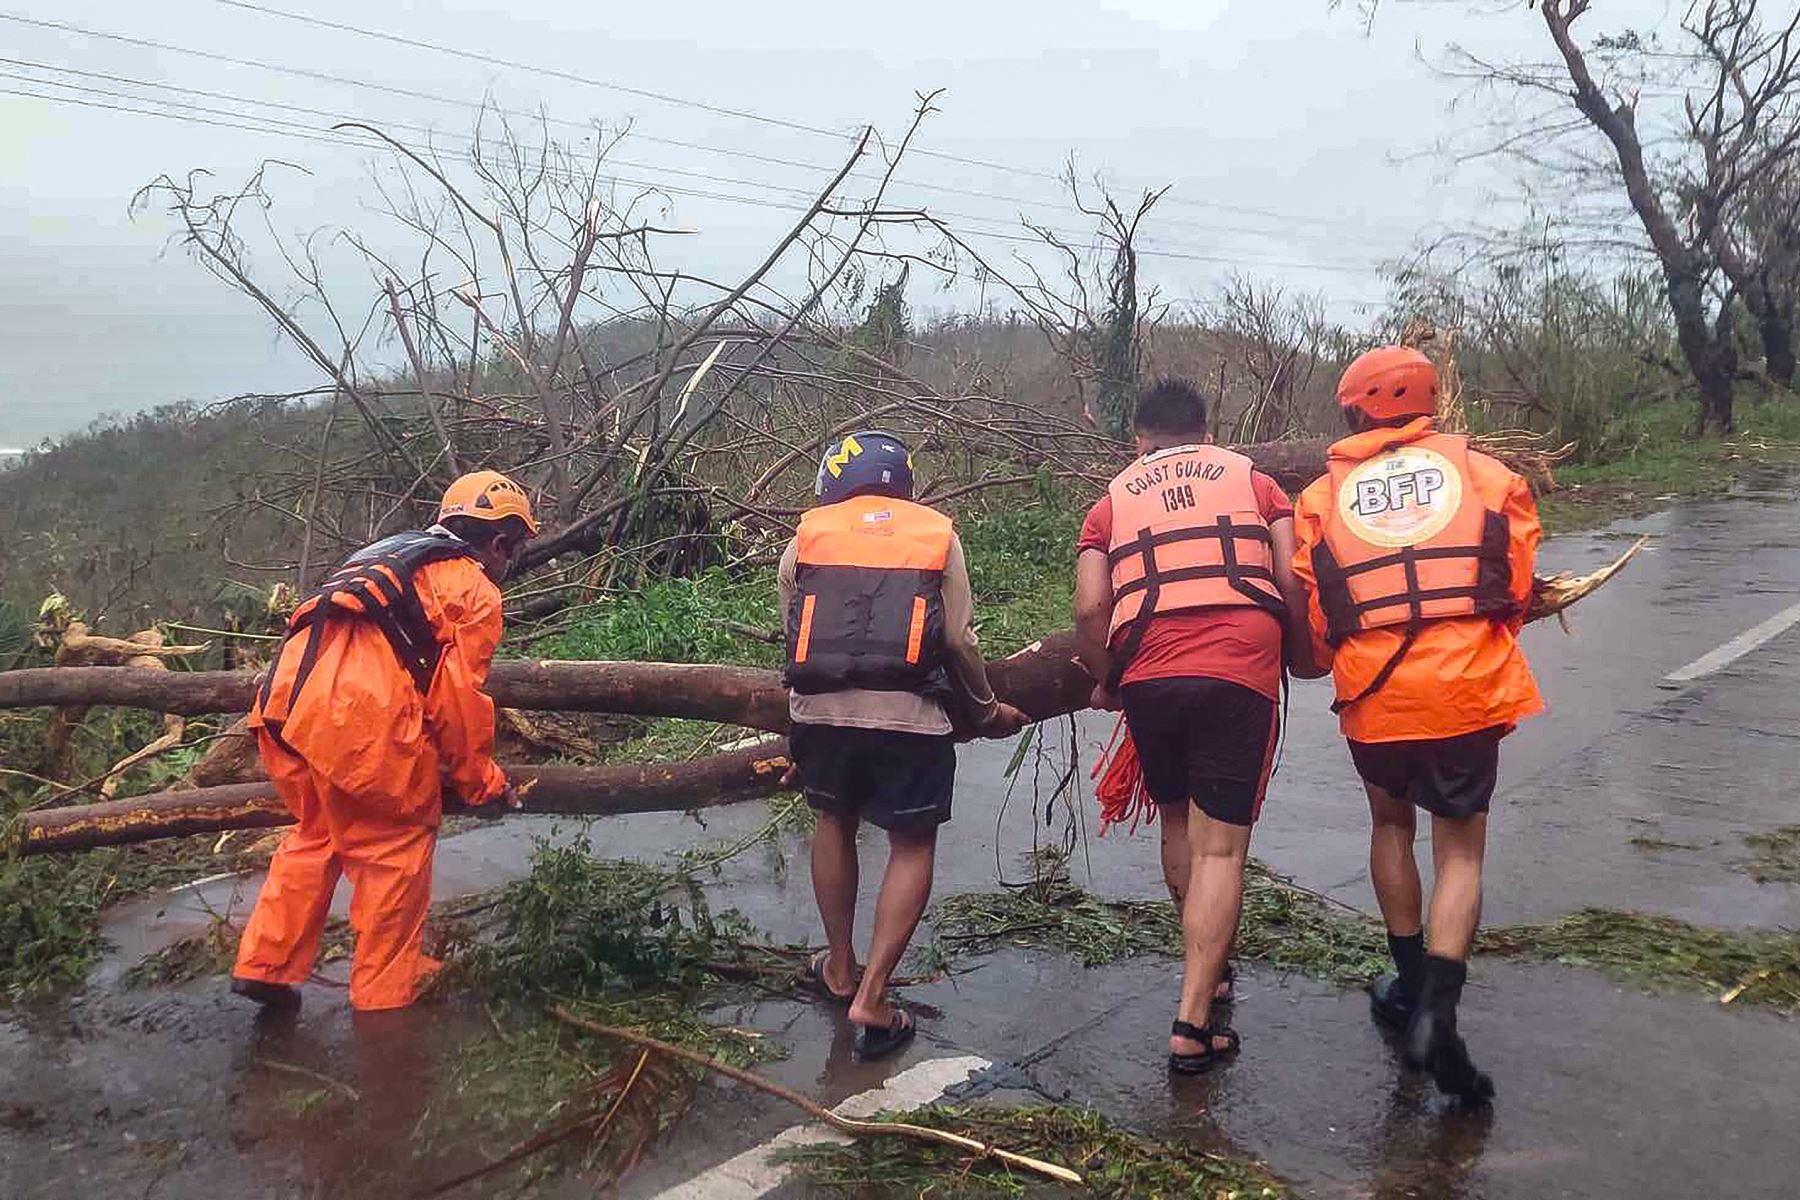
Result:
<point x="1402" y="498"/>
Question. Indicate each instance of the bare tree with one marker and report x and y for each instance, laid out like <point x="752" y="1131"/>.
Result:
<point x="1275" y="340"/>
<point x="1089" y="307"/>
<point x="1691" y="176"/>
<point x="663" y="419"/>
<point x="1746" y="124"/>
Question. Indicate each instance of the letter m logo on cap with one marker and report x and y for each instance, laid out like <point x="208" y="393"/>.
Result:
<point x="837" y="462"/>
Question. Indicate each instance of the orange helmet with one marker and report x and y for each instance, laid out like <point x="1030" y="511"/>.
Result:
<point x="1389" y="382"/>
<point x="487" y="496"/>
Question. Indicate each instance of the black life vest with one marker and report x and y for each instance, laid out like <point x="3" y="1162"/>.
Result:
<point x="868" y="605"/>
<point x="376" y="584"/>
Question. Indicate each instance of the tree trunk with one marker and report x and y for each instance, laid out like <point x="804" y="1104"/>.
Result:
<point x="1777" y="329"/>
<point x="733" y="695"/>
<point x="1043" y="679"/>
<point x="597" y="791"/>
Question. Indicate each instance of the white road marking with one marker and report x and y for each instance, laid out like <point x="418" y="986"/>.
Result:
<point x="754" y="1173"/>
<point x="1736" y="648"/>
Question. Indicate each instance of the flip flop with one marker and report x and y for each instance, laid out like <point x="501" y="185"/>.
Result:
<point x="1205" y="1060"/>
<point x="874" y="1042"/>
<point x="812" y="978"/>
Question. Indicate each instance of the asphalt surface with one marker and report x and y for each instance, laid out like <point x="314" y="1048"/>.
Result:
<point x="1630" y="794"/>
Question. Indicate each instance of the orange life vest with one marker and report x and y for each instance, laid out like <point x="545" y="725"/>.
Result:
<point x="868" y="605"/>
<point x="1408" y="540"/>
<point x="1187" y="533"/>
<point x="376" y="585"/>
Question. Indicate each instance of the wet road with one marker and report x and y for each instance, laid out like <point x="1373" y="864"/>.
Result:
<point x="1630" y="795"/>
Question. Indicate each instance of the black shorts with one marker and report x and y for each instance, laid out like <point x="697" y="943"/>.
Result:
<point x="1447" y="777"/>
<point x="895" y="780"/>
<point x="1206" y="740"/>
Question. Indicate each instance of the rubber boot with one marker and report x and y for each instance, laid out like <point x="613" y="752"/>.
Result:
<point x="1394" y="995"/>
<point x="1432" y="1043"/>
<point x="270" y="995"/>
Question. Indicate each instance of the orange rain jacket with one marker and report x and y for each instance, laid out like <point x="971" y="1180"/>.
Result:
<point x="362" y="724"/>
<point x="361" y="758"/>
<point x="1462" y="673"/>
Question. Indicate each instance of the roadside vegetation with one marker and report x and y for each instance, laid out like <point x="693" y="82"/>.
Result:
<point x="1774" y="855"/>
<point x="1116" y="1163"/>
<point x="1289" y="928"/>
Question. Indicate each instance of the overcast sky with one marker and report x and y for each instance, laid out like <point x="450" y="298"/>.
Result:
<point x="1280" y="124"/>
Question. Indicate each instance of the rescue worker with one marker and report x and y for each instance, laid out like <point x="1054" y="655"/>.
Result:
<point x="373" y="706"/>
<point x="880" y="644"/>
<point x="1416" y="553"/>
<point x="1183" y="593"/>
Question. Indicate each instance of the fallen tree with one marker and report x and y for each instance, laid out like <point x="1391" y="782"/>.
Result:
<point x="1043" y="679"/>
<point x="733" y="695"/>
<point x="722" y="778"/>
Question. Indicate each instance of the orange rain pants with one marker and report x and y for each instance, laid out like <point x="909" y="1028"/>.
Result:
<point x="389" y="866"/>
<point x="357" y="755"/>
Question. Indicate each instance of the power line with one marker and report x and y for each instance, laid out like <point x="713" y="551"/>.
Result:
<point x="703" y="106"/>
<point x="1174" y="250"/>
<point x="588" y="127"/>
<point x="292" y="129"/>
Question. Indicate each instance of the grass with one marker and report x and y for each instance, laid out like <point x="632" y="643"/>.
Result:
<point x="1291" y="929"/>
<point x="1283" y="925"/>
<point x="583" y="927"/>
<point x="676" y="620"/>
<point x="1021" y="560"/>
<point x="1662" y="461"/>
<point x="1116" y="1163"/>
<point x="50" y="906"/>
<point x="1752" y="966"/>
<point x="1774" y="856"/>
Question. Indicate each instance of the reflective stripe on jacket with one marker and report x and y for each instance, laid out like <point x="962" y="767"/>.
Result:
<point x="868" y="608"/>
<point x="1408" y="538"/>
<point x="1187" y="533"/>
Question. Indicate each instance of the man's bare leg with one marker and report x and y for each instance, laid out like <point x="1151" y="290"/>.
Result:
<point x="1178" y="870"/>
<point x="1458" y="847"/>
<point x="1392" y="868"/>
<point x="1177" y="852"/>
<point x="834" y="873"/>
<point x="1209" y="920"/>
<point x="905" y="891"/>
<point x="1394" y="872"/>
<point x="1458" y="851"/>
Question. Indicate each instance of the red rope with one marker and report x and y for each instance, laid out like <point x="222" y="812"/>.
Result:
<point x="1120" y="783"/>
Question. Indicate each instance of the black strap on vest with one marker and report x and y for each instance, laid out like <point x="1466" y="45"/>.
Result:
<point x="1224" y="531"/>
<point x="394" y="608"/>
<point x="1491" y="593"/>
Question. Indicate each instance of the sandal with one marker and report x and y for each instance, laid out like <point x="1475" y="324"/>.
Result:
<point x="1205" y="1060"/>
<point x="812" y="979"/>
<point x="874" y="1042"/>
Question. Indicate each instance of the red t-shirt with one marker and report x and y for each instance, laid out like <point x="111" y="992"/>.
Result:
<point x="1239" y="645"/>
